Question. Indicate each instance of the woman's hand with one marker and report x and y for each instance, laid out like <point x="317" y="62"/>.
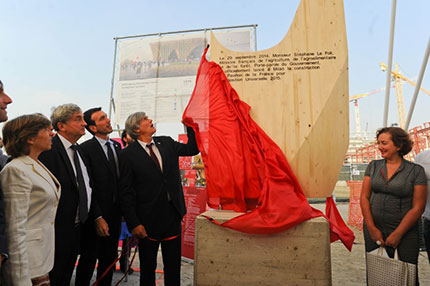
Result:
<point x="393" y="240"/>
<point x="376" y="235"/>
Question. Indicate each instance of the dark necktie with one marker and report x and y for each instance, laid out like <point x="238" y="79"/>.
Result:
<point x="83" y="200"/>
<point x="153" y="157"/>
<point x="111" y="158"/>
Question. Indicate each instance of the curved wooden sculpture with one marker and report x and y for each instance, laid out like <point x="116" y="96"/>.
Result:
<point x="298" y="92"/>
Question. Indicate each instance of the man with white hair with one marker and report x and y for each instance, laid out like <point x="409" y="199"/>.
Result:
<point x="151" y="196"/>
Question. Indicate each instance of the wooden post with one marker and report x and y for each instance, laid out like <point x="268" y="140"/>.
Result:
<point x="298" y="256"/>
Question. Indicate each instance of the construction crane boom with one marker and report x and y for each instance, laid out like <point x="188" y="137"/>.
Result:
<point x="358" y="96"/>
<point x="398" y="77"/>
<point x="355" y="99"/>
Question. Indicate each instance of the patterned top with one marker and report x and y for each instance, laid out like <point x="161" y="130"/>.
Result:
<point x="391" y="200"/>
<point x="402" y="182"/>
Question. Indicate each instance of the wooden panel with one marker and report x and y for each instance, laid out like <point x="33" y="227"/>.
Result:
<point x="298" y="92"/>
<point x="298" y="256"/>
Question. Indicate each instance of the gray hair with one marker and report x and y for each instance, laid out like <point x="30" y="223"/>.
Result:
<point x="133" y="122"/>
<point x="63" y="113"/>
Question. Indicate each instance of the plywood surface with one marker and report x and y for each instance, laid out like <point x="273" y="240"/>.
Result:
<point x="298" y="92"/>
<point x="299" y="256"/>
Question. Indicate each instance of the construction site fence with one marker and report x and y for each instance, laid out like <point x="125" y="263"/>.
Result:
<point x="355" y="217"/>
<point x="420" y="135"/>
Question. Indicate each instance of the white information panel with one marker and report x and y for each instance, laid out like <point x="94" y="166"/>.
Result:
<point x="157" y="74"/>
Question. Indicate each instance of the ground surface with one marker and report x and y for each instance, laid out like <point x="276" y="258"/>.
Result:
<point x="348" y="268"/>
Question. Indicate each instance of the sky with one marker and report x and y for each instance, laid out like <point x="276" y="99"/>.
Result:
<point x="56" y="52"/>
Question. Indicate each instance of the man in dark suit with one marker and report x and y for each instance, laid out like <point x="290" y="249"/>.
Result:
<point x="4" y="101"/>
<point x="66" y="162"/>
<point x="151" y="196"/>
<point x="102" y="234"/>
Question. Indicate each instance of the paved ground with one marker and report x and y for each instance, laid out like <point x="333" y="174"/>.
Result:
<point x="348" y="268"/>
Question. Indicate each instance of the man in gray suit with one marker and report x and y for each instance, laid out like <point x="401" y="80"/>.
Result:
<point x="5" y="100"/>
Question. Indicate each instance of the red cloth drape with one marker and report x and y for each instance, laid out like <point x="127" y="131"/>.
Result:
<point x="338" y="228"/>
<point x="245" y="170"/>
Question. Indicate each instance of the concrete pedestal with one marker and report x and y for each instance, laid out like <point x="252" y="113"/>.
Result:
<point x="298" y="256"/>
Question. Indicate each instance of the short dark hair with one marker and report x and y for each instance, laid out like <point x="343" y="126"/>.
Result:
<point x="400" y="138"/>
<point x="87" y="118"/>
<point x="17" y="131"/>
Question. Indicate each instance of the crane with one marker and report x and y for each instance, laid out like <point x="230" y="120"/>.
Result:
<point x="355" y="99"/>
<point x="398" y="78"/>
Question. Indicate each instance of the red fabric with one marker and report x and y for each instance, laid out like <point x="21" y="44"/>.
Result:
<point x="245" y="170"/>
<point x="338" y="228"/>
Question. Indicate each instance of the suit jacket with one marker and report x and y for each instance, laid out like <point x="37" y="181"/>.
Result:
<point x="31" y="196"/>
<point x="58" y="162"/>
<point x="3" y="240"/>
<point x="144" y="188"/>
<point x="105" y="181"/>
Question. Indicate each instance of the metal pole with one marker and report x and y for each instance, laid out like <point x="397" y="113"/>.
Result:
<point x="157" y="79"/>
<point x="206" y="40"/>
<point x="255" y="37"/>
<point x="389" y="62"/>
<point x="111" y="101"/>
<point x="417" y="87"/>
<point x="187" y="31"/>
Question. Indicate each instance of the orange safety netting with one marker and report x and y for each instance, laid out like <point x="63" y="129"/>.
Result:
<point x="355" y="217"/>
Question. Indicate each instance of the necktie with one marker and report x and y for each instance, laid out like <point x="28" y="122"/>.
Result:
<point x="153" y="157"/>
<point x="111" y="158"/>
<point x="83" y="200"/>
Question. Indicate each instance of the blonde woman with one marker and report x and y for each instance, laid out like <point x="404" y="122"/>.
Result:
<point x="31" y="195"/>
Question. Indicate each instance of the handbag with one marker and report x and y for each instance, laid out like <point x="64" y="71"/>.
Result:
<point x="386" y="271"/>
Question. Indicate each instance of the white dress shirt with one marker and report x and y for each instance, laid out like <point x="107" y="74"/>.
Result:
<point x="70" y="153"/>
<point x="154" y="148"/>
<point x="104" y="147"/>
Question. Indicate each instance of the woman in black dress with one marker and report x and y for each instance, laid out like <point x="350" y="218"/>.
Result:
<point x="393" y="197"/>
